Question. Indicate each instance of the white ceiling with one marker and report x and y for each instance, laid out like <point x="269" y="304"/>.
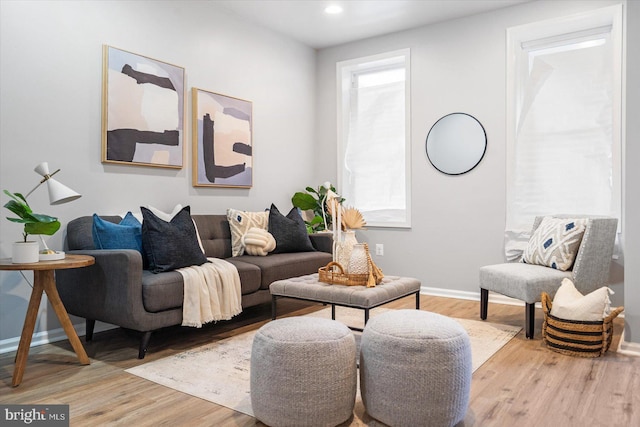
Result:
<point x="305" y="20"/>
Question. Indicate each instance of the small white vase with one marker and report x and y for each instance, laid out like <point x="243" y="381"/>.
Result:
<point x="359" y="262"/>
<point x="344" y="248"/>
<point x="25" y="252"/>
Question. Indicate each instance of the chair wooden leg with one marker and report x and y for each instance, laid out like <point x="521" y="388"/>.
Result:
<point x="484" y="303"/>
<point x="530" y="316"/>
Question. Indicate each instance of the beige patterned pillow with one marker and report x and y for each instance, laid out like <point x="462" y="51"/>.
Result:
<point x="555" y="242"/>
<point x="240" y="222"/>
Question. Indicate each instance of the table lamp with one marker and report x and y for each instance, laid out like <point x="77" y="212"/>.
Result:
<point x="58" y="194"/>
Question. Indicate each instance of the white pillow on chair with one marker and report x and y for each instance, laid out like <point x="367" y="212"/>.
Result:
<point x="570" y="304"/>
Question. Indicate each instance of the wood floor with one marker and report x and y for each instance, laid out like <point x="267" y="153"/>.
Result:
<point x="524" y="384"/>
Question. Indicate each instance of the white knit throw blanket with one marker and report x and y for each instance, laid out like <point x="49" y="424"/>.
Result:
<point x="211" y="292"/>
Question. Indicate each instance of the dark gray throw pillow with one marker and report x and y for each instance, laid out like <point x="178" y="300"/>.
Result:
<point x="289" y="231"/>
<point x="170" y="245"/>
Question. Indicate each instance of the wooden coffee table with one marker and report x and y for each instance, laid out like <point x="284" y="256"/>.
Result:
<point x="44" y="281"/>
<point x="309" y="288"/>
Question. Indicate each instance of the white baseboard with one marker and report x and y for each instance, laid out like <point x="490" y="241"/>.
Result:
<point x="47" y="337"/>
<point x="472" y="296"/>
<point x="628" y="348"/>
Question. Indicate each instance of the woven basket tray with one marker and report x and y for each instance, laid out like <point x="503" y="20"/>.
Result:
<point x="575" y="337"/>
<point x="334" y="274"/>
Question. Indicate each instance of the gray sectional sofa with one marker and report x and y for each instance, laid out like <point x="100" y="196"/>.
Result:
<point x="117" y="290"/>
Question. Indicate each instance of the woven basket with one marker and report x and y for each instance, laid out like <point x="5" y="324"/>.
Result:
<point x="333" y="273"/>
<point x="575" y="337"/>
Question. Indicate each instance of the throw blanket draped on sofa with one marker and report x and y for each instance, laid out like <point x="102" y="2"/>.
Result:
<point x="211" y="292"/>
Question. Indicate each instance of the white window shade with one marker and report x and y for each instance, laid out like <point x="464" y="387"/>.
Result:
<point x="373" y="161"/>
<point x="564" y="156"/>
<point x="374" y="169"/>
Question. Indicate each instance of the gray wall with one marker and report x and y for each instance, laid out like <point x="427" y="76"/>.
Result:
<point x="51" y="67"/>
<point x="456" y="66"/>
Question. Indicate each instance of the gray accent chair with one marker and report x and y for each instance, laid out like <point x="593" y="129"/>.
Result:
<point x="526" y="282"/>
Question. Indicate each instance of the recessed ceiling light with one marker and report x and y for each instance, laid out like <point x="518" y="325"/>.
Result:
<point x="333" y="9"/>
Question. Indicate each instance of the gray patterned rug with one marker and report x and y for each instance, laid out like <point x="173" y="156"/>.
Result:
<point x="219" y="372"/>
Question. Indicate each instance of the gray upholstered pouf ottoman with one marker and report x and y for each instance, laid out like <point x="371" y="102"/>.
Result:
<point x="415" y="369"/>
<point x="303" y="372"/>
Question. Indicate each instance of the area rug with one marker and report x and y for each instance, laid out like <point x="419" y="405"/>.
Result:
<point x="219" y="372"/>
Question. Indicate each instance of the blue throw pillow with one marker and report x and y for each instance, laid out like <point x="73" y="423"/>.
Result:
<point x="125" y="235"/>
<point x="170" y="245"/>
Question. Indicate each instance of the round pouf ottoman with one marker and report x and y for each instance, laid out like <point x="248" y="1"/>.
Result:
<point x="303" y="372"/>
<point x="415" y="369"/>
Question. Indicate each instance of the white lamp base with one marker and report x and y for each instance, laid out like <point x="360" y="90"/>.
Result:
<point x="52" y="256"/>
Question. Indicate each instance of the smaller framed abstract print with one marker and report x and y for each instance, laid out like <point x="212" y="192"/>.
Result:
<point x="222" y="140"/>
<point x="142" y="110"/>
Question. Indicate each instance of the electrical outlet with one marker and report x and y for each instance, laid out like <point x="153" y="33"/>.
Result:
<point x="379" y="249"/>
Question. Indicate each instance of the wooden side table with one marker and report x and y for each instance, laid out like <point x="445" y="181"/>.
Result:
<point x="44" y="281"/>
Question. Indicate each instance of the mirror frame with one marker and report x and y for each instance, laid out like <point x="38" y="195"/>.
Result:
<point x="456" y="172"/>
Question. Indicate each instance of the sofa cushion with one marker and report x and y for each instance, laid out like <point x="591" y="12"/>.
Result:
<point x="284" y="266"/>
<point x="170" y="245"/>
<point x="166" y="291"/>
<point x="127" y="234"/>
<point x="215" y="235"/>
<point x="289" y="231"/>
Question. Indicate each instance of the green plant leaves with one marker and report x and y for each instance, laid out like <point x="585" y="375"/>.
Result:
<point x="304" y="201"/>
<point x="33" y="223"/>
<point x="47" y="228"/>
<point x="314" y="200"/>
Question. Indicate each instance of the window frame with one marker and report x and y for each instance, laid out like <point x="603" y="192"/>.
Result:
<point x="344" y="72"/>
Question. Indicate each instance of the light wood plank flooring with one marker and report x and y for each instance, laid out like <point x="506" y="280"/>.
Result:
<point x="524" y="384"/>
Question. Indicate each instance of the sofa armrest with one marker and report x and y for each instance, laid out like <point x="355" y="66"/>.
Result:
<point x="109" y="290"/>
<point x="322" y="241"/>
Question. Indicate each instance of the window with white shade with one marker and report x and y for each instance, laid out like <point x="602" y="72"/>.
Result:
<point x="373" y="137"/>
<point x="564" y="121"/>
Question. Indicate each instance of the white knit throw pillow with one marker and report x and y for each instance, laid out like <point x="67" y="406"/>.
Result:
<point x="240" y="222"/>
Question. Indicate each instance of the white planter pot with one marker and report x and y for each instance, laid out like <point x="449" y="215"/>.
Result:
<point x="25" y="252"/>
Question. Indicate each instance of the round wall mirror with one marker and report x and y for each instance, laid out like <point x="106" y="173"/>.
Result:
<point x="456" y="143"/>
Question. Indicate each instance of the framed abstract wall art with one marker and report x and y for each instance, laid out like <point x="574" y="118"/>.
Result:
<point x="222" y="140"/>
<point x="142" y="110"/>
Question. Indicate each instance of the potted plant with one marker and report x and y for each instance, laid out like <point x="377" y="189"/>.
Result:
<point x="315" y="202"/>
<point x="27" y="251"/>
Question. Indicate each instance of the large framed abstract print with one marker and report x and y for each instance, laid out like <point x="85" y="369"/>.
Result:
<point x="142" y="110"/>
<point x="222" y="140"/>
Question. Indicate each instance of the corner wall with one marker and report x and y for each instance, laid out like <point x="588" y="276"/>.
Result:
<point x="50" y="110"/>
<point x="632" y="179"/>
